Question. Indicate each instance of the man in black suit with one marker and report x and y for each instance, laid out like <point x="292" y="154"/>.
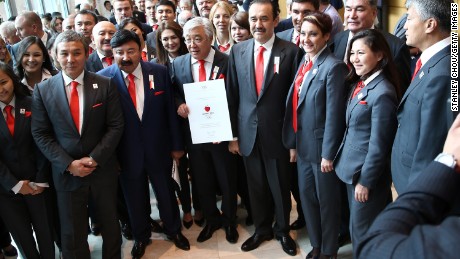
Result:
<point x="418" y="224"/>
<point x="85" y="21"/>
<point x="103" y="56"/>
<point x="261" y="71"/>
<point x="210" y="163"/>
<point x="124" y="9"/>
<point x="299" y="10"/>
<point x="77" y="124"/>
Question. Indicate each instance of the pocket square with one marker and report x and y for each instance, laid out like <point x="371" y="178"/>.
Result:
<point x="159" y="92"/>
<point x="221" y="76"/>
<point x="363" y="102"/>
<point x="28" y="114"/>
<point x="97" y="105"/>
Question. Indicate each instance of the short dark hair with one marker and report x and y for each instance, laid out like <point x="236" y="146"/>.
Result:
<point x="321" y="20"/>
<point x="242" y="19"/>
<point x="134" y="21"/>
<point x="273" y="3"/>
<point x="378" y="44"/>
<point x="439" y="10"/>
<point x="124" y="36"/>
<point x="24" y="44"/>
<point x="84" y="11"/>
<point x="166" y="2"/>
<point x="70" y="36"/>
<point x="315" y="3"/>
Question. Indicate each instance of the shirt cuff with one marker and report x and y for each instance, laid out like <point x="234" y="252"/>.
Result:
<point x="17" y="187"/>
<point x="42" y="184"/>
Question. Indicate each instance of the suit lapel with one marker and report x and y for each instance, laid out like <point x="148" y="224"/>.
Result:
<point x="277" y="51"/>
<point x="147" y="91"/>
<point x="123" y="89"/>
<point x="89" y="94"/>
<point x="249" y="60"/>
<point x="312" y="74"/>
<point x="362" y="95"/>
<point x="61" y="99"/>
<point x="187" y="69"/>
<point x="4" y="128"/>
<point x="20" y="118"/>
<point x="216" y="64"/>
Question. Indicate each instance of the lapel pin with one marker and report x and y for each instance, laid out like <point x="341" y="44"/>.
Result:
<point x="151" y="82"/>
<point x="277" y="65"/>
<point x="360" y="95"/>
<point x="94" y="86"/>
<point x="421" y="75"/>
<point x="214" y="72"/>
<point x="314" y="71"/>
<point x="22" y="111"/>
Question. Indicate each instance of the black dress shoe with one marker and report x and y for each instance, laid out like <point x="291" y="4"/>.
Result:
<point x="187" y="224"/>
<point x="298" y="224"/>
<point x="199" y="222"/>
<point x="9" y="251"/>
<point x="344" y="239"/>
<point x="207" y="232"/>
<point x="180" y="241"/>
<point x="255" y="240"/>
<point x="313" y="254"/>
<point x="322" y="256"/>
<point x="95" y="229"/>
<point x="126" y="231"/>
<point x="156" y="228"/>
<point x="139" y="248"/>
<point x="288" y="244"/>
<point x="231" y="234"/>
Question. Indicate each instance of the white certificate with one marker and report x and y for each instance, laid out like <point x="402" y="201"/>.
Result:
<point x="208" y="111"/>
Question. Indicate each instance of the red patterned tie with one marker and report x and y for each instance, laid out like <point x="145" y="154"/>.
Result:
<point x="108" y="60"/>
<point x="418" y="65"/>
<point x="201" y="71"/>
<point x="297" y="40"/>
<point x="75" y="104"/>
<point x="144" y="56"/>
<point x="260" y="69"/>
<point x="9" y="118"/>
<point x="295" y="96"/>
<point x="360" y="85"/>
<point x="132" y="89"/>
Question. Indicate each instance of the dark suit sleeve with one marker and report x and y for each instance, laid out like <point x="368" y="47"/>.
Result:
<point x="7" y="179"/>
<point x="233" y="94"/>
<point x="415" y="225"/>
<point x="174" y="126"/>
<point x="43" y="168"/>
<point x="42" y="131"/>
<point x="402" y="61"/>
<point x="178" y="91"/>
<point x="383" y="130"/>
<point x="334" y="127"/>
<point x="435" y="121"/>
<point x="114" y="127"/>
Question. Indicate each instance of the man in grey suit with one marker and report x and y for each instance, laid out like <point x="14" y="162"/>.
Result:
<point x="77" y="125"/>
<point x="424" y="113"/>
<point x="261" y="71"/>
<point x="417" y="224"/>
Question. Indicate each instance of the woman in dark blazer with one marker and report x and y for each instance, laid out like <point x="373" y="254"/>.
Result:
<point x="362" y="162"/>
<point x="24" y="172"/>
<point x="313" y="128"/>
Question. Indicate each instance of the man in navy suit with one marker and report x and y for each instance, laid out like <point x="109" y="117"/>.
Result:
<point x="210" y="163"/>
<point x="424" y="113"/>
<point x="417" y="224"/>
<point x="103" y="56"/>
<point x="150" y="141"/>
<point x="77" y="123"/>
<point x="261" y="71"/>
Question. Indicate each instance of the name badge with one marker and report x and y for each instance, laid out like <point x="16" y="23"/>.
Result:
<point x="151" y="82"/>
<point x="95" y="86"/>
<point x="277" y="65"/>
<point x="214" y="73"/>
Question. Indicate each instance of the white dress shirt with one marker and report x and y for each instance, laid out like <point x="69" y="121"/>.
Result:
<point x="207" y="66"/>
<point x="433" y="49"/>
<point x="268" y="51"/>
<point x="102" y="57"/>
<point x="68" y="90"/>
<point x="139" y="82"/>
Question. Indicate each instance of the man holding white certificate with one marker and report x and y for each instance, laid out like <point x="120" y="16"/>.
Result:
<point x="209" y="162"/>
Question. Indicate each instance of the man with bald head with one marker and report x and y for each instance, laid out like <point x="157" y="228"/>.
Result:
<point x="103" y="56"/>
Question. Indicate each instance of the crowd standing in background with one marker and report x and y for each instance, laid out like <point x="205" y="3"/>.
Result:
<point x="331" y="112"/>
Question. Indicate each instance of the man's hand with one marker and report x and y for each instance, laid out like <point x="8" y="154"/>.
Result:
<point x="25" y="188"/>
<point x="361" y="193"/>
<point x="89" y="162"/>
<point x="326" y="165"/>
<point x="452" y="144"/>
<point x="183" y="110"/>
<point x="81" y="168"/>
<point x="292" y="155"/>
<point x="176" y="155"/>
<point x="38" y="190"/>
<point x="234" y="147"/>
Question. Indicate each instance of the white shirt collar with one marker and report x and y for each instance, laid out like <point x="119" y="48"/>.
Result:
<point x="433" y="49"/>
<point x="137" y="72"/>
<point x="267" y="45"/>
<point x="44" y="38"/>
<point x="67" y="79"/>
<point x="372" y="77"/>
<point x="101" y="56"/>
<point x="209" y="58"/>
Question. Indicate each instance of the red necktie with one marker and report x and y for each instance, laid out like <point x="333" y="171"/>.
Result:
<point x="360" y="85"/>
<point x="418" y="65"/>
<point x="260" y="69"/>
<point x="155" y="27"/>
<point x="108" y="60"/>
<point x="224" y="48"/>
<point x="132" y="89"/>
<point x="201" y="71"/>
<point x="9" y="118"/>
<point x="144" y="56"/>
<point x="75" y="104"/>
<point x="90" y="50"/>
<point x="297" y="40"/>
<point x="295" y="96"/>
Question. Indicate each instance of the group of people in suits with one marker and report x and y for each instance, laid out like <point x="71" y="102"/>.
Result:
<point x="344" y="112"/>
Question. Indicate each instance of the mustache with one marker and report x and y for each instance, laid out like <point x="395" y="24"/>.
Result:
<point x="126" y="62"/>
<point x="105" y="41"/>
<point x="259" y="30"/>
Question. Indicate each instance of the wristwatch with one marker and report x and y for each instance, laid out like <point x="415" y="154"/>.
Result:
<point x="446" y="159"/>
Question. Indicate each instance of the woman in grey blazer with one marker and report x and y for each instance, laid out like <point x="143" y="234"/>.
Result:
<point x="362" y="162"/>
<point x="313" y="128"/>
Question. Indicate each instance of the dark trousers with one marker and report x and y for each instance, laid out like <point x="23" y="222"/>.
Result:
<point x="269" y="191"/>
<point x="25" y="215"/>
<point x="73" y="214"/>
<point x="211" y="164"/>
<point x="295" y="191"/>
<point x="5" y="239"/>
<point x="242" y="184"/>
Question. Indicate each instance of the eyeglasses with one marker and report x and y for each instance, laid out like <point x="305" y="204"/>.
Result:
<point x="196" y="40"/>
